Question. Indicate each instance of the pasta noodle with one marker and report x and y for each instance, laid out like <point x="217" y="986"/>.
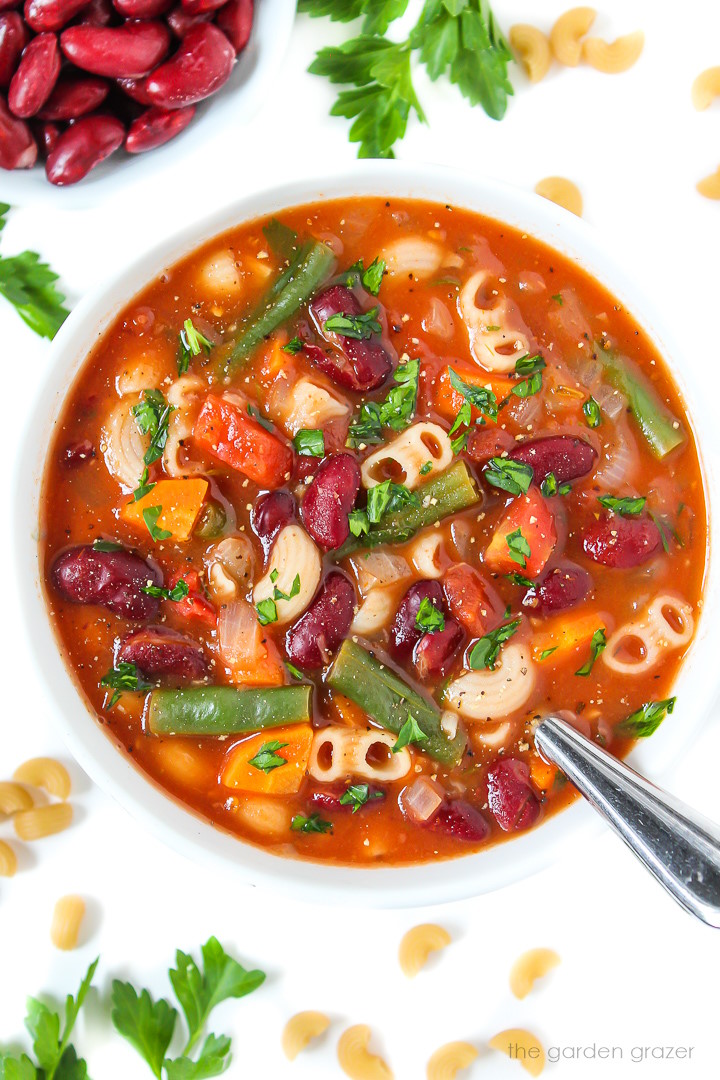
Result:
<point x="522" y="1046"/>
<point x="339" y="752"/>
<point x="146" y="374"/>
<point x="270" y="817"/>
<point x="43" y="820"/>
<point x="425" y="554"/>
<point x="301" y="1029"/>
<point x="308" y="405"/>
<point x="486" y="328"/>
<point x="414" y="255"/>
<point x="66" y="922"/>
<point x="375" y="612"/>
<point x="530" y="967"/>
<point x="418" y="943"/>
<point x="293" y="556"/>
<point x="449" y="1059"/>
<point x="8" y="860"/>
<point x="14" y="798"/>
<point x="614" y="57"/>
<point x="123" y="444"/>
<point x="220" y="273"/>
<point x="408" y="453"/>
<point x="494" y="694"/>
<point x="180" y="425"/>
<point x="533" y="48"/>
<point x="44" y="772"/>
<point x="667" y="624"/>
<point x="562" y="192"/>
<point x="566" y="34"/>
<point x="706" y="88"/>
<point x="355" y="1060"/>
<point x="230" y="564"/>
<point x="709" y="186"/>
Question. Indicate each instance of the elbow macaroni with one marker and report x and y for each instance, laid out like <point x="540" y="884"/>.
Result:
<point x="613" y="57"/>
<point x="338" y="752"/>
<point x="533" y="48"/>
<point x="293" y="555"/>
<point x="375" y="612"/>
<point x="43" y="772"/>
<point x="706" y="88"/>
<point x="449" y="1059"/>
<point x="43" y="821"/>
<point x="181" y="396"/>
<point x="308" y="405"/>
<point x="513" y="1041"/>
<point x="66" y="922"/>
<point x="486" y="328"/>
<point x="301" y="1029"/>
<point x="8" y="860"/>
<point x="14" y="798"/>
<point x="494" y="694"/>
<point x="655" y="633"/>
<point x="709" y="186"/>
<point x="425" y="553"/>
<point x="528" y="968"/>
<point x="562" y="192"/>
<point x="417" y="945"/>
<point x="566" y="34"/>
<point x="354" y="1058"/>
<point x="123" y="444"/>
<point x="414" y="255"/>
<point x="409" y="451"/>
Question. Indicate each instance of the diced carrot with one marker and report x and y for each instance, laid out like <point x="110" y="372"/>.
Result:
<point x="471" y="599"/>
<point x="533" y="517"/>
<point x="345" y="711"/>
<point x="226" y="432"/>
<point x="541" y="774"/>
<point x="266" y="668"/>
<point x="564" y="634"/>
<point x="448" y="401"/>
<point x="296" y="742"/>
<point x="195" y="605"/>
<point x="180" y="502"/>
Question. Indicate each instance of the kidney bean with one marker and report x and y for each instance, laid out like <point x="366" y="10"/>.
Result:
<point x="511" y="799"/>
<point x="158" y="651"/>
<point x="235" y="19"/>
<point x="74" y="96"/>
<point x="51" y="14"/>
<point x="35" y="77"/>
<point x="142" y="9"/>
<point x="329" y="499"/>
<point x="81" y="147"/>
<point x="78" y="453"/>
<point x="621" y="541"/>
<point x="270" y="514"/>
<point x="460" y="820"/>
<point x="201" y="7"/>
<point x="325" y="625"/>
<point x="404" y="634"/>
<point x="180" y="21"/>
<point x="434" y="653"/>
<point x="113" y="579"/>
<point x="566" y="456"/>
<point x="46" y="134"/>
<point x="118" y="52"/>
<point x="18" y="149"/>
<point x="361" y="365"/>
<point x="487" y="442"/>
<point x="14" y="36"/>
<point x="135" y="90"/>
<point x="562" y="588"/>
<point x="9" y="5"/>
<point x="155" y="127"/>
<point x="201" y="66"/>
<point x="98" y="13"/>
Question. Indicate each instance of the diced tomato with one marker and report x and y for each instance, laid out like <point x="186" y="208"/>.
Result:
<point x="227" y="433"/>
<point x="488" y="441"/>
<point x="532" y="517"/>
<point x="472" y="600"/>
<point x="194" y="605"/>
<point x="448" y="401"/>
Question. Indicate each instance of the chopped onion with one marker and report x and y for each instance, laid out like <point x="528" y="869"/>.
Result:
<point x="333" y="242"/>
<point x="525" y="411"/>
<point x="379" y="568"/>
<point x="618" y="466"/>
<point x="438" y="321"/>
<point x="531" y="282"/>
<point x="239" y="636"/>
<point x="422" y="800"/>
<point x="611" y="401"/>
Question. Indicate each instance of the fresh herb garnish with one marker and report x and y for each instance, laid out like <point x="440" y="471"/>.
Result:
<point x="520" y="579"/>
<point x="192" y="343"/>
<point x="152" y="416"/>
<point x="310" y="442"/>
<point x="647" y="719"/>
<point x="150" y="517"/>
<point x="383" y="498"/>
<point x="667" y="530"/>
<point x="591" y="409"/>
<point x="267" y="609"/>
<point x="426" y="468"/>
<point x="358" y="522"/>
<point x="395" y="412"/>
<point x="484" y="652"/>
<point x="429" y="619"/>
<point x="526" y="388"/>
<point x="359" y="327"/>
<point x="370" y="278"/>
<point x="480" y="397"/>
<point x="312" y="824"/>
<point x="123" y="678"/>
<point x="294" y="590"/>
<point x="597" y="645"/>
<point x="29" y="285"/>
<point x="550" y="487"/>
<point x="357" y="795"/>
<point x="293" y="346"/>
<point x="410" y="732"/>
<point x="106" y="545"/>
<point x="625" y="507"/>
<point x="530" y="365"/>
<point x="548" y="652"/>
<point x="557" y="298"/>
<point x="267" y="757"/>
<point x="514" y="477"/>
<point x="258" y="417"/>
<point x="518" y="547"/>
<point x="177" y="593"/>
<point x="294" y="671"/>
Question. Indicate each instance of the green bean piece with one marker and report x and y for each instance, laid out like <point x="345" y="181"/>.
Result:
<point x="226" y="710"/>
<point x="211" y="522"/>
<point x="389" y="700"/>
<point x="661" y="429"/>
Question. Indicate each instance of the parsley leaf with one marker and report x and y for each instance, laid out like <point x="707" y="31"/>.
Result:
<point x="359" y="327"/>
<point x="396" y="411"/>
<point x="591" y="409"/>
<point x="520" y="579"/>
<point x="122" y="678"/>
<point x="294" y="671"/>
<point x="310" y="442"/>
<point x="267" y="757"/>
<point x="426" y="468"/>
<point x="255" y="414"/>
<point x="29" y="285"/>
<point x="293" y="346"/>
<point x="597" y="645"/>
<point x="54" y="1054"/>
<point x="410" y="732"/>
<point x="106" y="545"/>
<point x="214" y="1059"/>
<point x="312" y="824"/>
<point x="529" y="365"/>
<point x="152" y="416"/>
<point x="518" y="547"/>
<point x="378" y="13"/>
<point x="177" y="593"/>
<point x="358" y="522"/>
<point x="266" y="611"/>
<point x="150" y="517"/>
<point x="372" y="277"/>
<point x="192" y="343"/>
<point x="429" y="619"/>
<point x="146" y="1024"/>
<point x="357" y="795"/>
<point x="550" y="487"/>
<point x="480" y="397"/>
<point x="508" y="475"/>
<point x="548" y="652"/>
<point x="386" y="497"/>
<point x="647" y="719"/>
<point x="485" y="651"/>
<point x="625" y="507"/>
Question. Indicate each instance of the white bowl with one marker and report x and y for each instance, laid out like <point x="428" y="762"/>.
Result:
<point x="233" y="105"/>
<point x="116" y="773"/>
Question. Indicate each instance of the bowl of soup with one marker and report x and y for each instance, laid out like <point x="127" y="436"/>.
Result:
<point x="342" y="490"/>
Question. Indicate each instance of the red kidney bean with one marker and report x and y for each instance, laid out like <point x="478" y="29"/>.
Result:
<point x="180" y="21"/>
<point x="142" y="9"/>
<point x="201" y="66"/>
<point x="14" y="36"/>
<point x="81" y="147"/>
<point x="78" y="453"/>
<point x="74" y="96"/>
<point x="235" y="19"/>
<point x="460" y="820"/>
<point x="18" y="149"/>
<point x="487" y="442"/>
<point x="113" y="579"/>
<point x="51" y="14"/>
<point x="134" y="90"/>
<point x="118" y="52"/>
<point x="621" y="541"/>
<point x="565" y="456"/>
<point x="155" y="127"/>
<point x="159" y="652"/>
<point x="434" y="653"/>
<point x="404" y="634"/>
<point x="35" y="77"/>
<point x="9" y="5"/>
<point x="201" y="7"/>
<point x="360" y="365"/>
<point x="98" y="13"/>
<point x="325" y="625"/>
<point x="329" y="499"/>
<point x="270" y="514"/>
<point x="511" y="799"/>
<point x="47" y="135"/>
<point x="562" y="588"/>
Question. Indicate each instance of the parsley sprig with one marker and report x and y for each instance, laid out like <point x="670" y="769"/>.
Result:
<point x="29" y="285"/>
<point x="485" y="652"/>
<point x="395" y="412"/>
<point x="152" y="416"/>
<point x="382" y="499"/>
<point x="123" y="677"/>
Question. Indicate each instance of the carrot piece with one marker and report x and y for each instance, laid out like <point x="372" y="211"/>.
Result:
<point x="266" y="668"/>
<point x="533" y="517"/>
<point x="283" y="779"/>
<point x="345" y="711"/>
<point x="564" y="635"/>
<point x="448" y="401"/>
<point x="181" y="502"/>
<point x="471" y="600"/>
<point x="541" y="774"/>
<point x="225" y="431"/>
<point x="194" y="605"/>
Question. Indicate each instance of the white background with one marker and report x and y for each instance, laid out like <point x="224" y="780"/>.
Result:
<point x="635" y="970"/>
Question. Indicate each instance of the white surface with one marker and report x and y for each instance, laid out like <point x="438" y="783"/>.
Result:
<point x="636" y="972"/>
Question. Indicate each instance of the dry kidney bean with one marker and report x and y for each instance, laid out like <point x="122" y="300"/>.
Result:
<point x="14" y="36"/>
<point x="201" y="66"/>
<point x="78" y="453"/>
<point x="113" y="579"/>
<point x="98" y="13"/>
<point x="134" y="89"/>
<point x="81" y="147"/>
<point x="201" y="7"/>
<point x="459" y="819"/>
<point x="47" y="134"/>
<point x="512" y="801"/>
<point x="360" y="365"/>
<point x="36" y="75"/>
<point x="51" y="14"/>
<point x="270" y="514"/>
<point x="235" y="19"/>
<point x="74" y="96"/>
<point x="180" y="21"/>
<point x="434" y="653"/>
<point x="155" y="127"/>
<point x="118" y="52"/>
<point x="329" y="499"/>
<point x="565" y="456"/>
<point x="18" y="149"/>
<point x="159" y="652"/>
<point x="404" y="634"/>
<point x="563" y="587"/>
<point x="322" y="629"/>
<point x="9" y="5"/>
<point x="621" y="541"/>
<point x="142" y="9"/>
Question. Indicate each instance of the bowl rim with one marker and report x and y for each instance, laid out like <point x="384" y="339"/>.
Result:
<point x="113" y="771"/>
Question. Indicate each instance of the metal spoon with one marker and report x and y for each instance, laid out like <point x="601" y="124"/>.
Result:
<point x="679" y="847"/>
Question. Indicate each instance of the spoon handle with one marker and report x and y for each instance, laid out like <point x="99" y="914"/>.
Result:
<point x="679" y="847"/>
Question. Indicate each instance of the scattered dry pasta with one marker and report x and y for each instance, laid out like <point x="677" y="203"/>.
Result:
<point x="706" y="88"/>
<point x="66" y="922"/>
<point x="522" y="1046"/>
<point x="533" y="50"/>
<point x="566" y="34"/>
<point x="14" y="798"/>
<point x="709" y="186"/>
<point x="449" y="1059"/>
<point x="301" y="1029"/>
<point x="613" y="57"/>
<point x="8" y="860"/>
<point x="43" y="820"/>
<point x="47" y="773"/>
<point x="563" y="192"/>
<point x="530" y="967"/>
<point x="418" y="943"/>
<point x="356" y="1061"/>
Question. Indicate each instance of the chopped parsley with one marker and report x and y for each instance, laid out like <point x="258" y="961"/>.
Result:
<point x="625" y="507"/>
<point x="267" y="757"/>
<point x="293" y="346"/>
<point x="294" y="671"/>
<point x="550" y="487"/>
<point x="484" y="652"/>
<point x="386" y="497"/>
<point x="357" y="795"/>
<point x="192" y="343"/>
<point x="597" y="645"/>
<point x="591" y="409"/>
<point x="360" y="327"/>
<point x="267" y="609"/>
<point x="177" y="593"/>
<point x="529" y="365"/>
<point x="123" y="678"/>
<point x="520" y="579"/>
<point x="395" y="412"/>
<point x="106" y="545"/>
<point x="479" y="397"/>
<point x="312" y="824"/>
<point x="557" y="298"/>
<point x="426" y="468"/>
<point x="255" y="414"/>
<point x="152" y="416"/>
<point x="526" y="388"/>
<point x="410" y="732"/>
<point x="310" y="442"/>
<point x="358" y="522"/>
<point x="548" y="652"/>
<point x="429" y="619"/>
<point x="518" y="547"/>
<point x="29" y="285"/>
<point x="667" y="530"/>
<point x="647" y="719"/>
<point x="514" y="477"/>
<point x="150" y="517"/>
<point x="370" y="278"/>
